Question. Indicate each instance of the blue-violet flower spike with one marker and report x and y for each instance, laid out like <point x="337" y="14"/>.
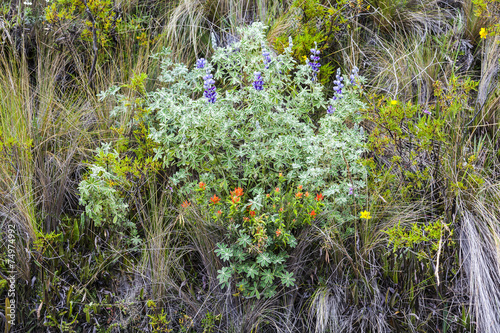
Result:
<point x="210" y="93"/>
<point x="338" y="85"/>
<point x="200" y="63"/>
<point x="257" y="84"/>
<point x="354" y="75"/>
<point x="267" y="57"/>
<point x="314" y="63"/>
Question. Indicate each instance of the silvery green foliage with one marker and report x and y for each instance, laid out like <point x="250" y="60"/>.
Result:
<point x="102" y="202"/>
<point x="250" y="135"/>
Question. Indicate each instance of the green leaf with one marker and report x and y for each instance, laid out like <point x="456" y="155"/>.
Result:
<point x="270" y="292"/>
<point x="224" y="276"/>
<point x="239" y="255"/>
<point x="136" y="240"/>
<point x="287" y="279"/>
<point x="257" y="294"/>
<point x="267" y="277"/>
<point x="252" y="271"/>
<point x="264" y="259"/>
<point x="224" y="252"/>
<point x="75" y="233"/>
<point x="7" y="315"/>
<point x="278" y="259"/>
<point x="244" y="240"/>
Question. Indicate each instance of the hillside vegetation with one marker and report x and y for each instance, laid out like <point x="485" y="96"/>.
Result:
<point x="250" y="166"/>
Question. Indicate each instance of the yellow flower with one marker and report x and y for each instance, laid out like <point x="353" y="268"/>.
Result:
<point x="365" y="215"/>
<point x="305" y="58"/>
<point x="483" y="33"/>
<point x="393" y="102"/>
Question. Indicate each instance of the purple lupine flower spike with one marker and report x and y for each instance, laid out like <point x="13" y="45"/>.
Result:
<point x="314" y="63"/>
<point x="258" y="83"/>
<point x="354" y="75"/>
<point x="267" y="57"/>
<point x="200" y="63"/>
<point x="330" y="109"/>
<point x="426" y="111"/>
<point x="210" y="93"/>
<point x="338" y="85"/>
<point x="351" y="191"/>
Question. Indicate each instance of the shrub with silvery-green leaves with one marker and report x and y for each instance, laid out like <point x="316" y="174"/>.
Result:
<point x="241" y="119"/>
<point x="248" y="114"/>
<point x="245" y="115"/>
<point x="104" y="204"/>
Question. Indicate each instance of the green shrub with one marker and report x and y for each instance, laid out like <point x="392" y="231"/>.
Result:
<point x="431" y="235"/>
<point x="104" y="203"/>
<point x="97" y="17"/>
<point x="242" y="136"/>
<point x="489" y="11"/>
<point x="249" y="134"/>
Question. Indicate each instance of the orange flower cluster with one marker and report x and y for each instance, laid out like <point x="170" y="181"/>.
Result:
<point x="313" y="213"/>
<point x="185" y="204"/>
<point x="215" y="199"/>
<point x="298" y="195"/>
<point x="319" y="197"/>
<point x="236" y="195"/>
<point x="252" y="213"/>
<point x="202" y="185"/>
<point x="278" y="233"/>
<point x="238" y="192"/>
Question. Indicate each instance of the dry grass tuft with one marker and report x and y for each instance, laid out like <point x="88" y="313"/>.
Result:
<point x="479" y="244"/>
